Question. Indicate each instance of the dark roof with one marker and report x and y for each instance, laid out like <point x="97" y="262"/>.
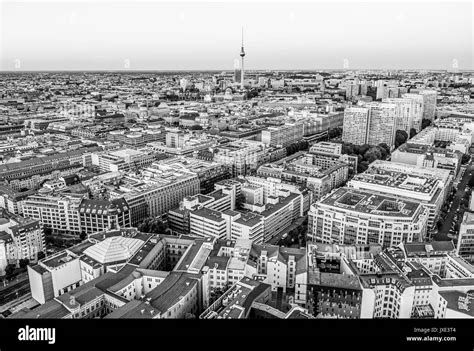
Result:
<point x="71" y="179"/>
<point x="453" y="298"/>
<point x="51" y="309"/>
<point x="218" y="262"/>
<point x="169" y="292"/>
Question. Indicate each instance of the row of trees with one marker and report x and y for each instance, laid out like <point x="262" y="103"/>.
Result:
<point x="366" y="153"/>
<point x="295" y="147"/>
<point x="152" y="225"/>
<point x="334" y="133"/>
<point x="11" y="269"/>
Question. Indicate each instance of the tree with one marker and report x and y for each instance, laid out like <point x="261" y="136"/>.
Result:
<point x="59" y="242"/>
<point x="465" y="159"/>
<point x="383" y="152"/>
<point x="362" y="166"/>
<point x="9" y="270"/>
<point x="334" y="132"/>
<point x="362" y="149"/>
<point x="400" y="138"/>
<point x="24" y="262"/>
<point x="471" y="182"/>
<point x="195" y="127"/>
<point x="83" y="235"/>
<point x="157" y="226"/>
<point x="425" y="123"/>
<point x="41" y="255"/>
<point x="372" y="154"/>
<point x="144" y="227"/>
<point x="47" y="231"/>
<point x="385" y="147"/>
<point x="439" y="224"/>
<point x="412" y="132"/>
<point x="303" y="145"/>
<point x="152" y="225"/>
<point x="347" y="149"/>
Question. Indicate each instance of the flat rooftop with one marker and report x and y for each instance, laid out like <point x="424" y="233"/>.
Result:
<point x="398" y="180"/>
<point x="363" y="201"/>
<point x="343" y="281"/>
<point x="57" y="260"/>
<point x="126" y="153"/>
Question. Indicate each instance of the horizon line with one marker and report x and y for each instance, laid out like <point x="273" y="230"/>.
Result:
<point x="457" y="70"/>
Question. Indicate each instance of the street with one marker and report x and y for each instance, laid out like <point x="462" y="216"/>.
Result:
<point x="14" y="289"/>
<point x="442" y="234"/>
<point x="274" y="240"/>
<point x="21" y="276"/>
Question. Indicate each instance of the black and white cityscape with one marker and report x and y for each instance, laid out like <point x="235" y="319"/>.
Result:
<point x="231" y="160"/>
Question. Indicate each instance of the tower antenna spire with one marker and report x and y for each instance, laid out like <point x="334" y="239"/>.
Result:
<point x="242" y="55"/>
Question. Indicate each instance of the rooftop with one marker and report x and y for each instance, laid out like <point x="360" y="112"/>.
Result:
<point x="114" y="249"/>
<point x="364" y="201"/>
<point x="171" y="290"/>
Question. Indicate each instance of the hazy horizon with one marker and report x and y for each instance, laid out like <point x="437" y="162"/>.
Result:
<point x="205" y="36"/>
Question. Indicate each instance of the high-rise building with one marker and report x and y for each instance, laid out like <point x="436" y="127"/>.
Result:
<point x="406" y="113"/>
<point x="237" y="75"/>
<point x="416" y="109"/>
<point x="381" y="126"/>
<point x="356" y="120"/>
<point x="429" y="102"/>
<point x="372" y="123"/>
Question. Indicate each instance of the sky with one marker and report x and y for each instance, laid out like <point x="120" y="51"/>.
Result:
<point x="196" y="35"/>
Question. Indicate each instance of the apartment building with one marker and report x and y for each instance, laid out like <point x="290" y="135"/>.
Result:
<point x="20" y="238"/>
<point x="408" y="113"/>
<point x="372" y="123"/>
<point x="353" y="216"/>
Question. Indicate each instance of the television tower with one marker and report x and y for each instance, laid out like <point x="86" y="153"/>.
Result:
<point x="242" y="54"/>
